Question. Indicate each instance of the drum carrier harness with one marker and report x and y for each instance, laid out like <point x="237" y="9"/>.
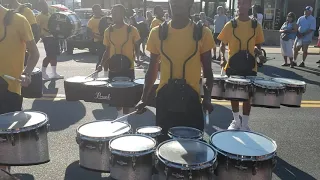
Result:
<point x="119" y="62"/>
<point x="243" y="61"/>
<point x="177" y="93"/>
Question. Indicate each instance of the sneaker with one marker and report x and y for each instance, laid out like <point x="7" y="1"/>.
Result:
<point x="57" y="76"/>
<point x="234" y="125"/>
<point x="214" y="58"/>
<point x="45" y="77"/>
<point x="294" y="63"/>
<point x="301" y="64"/>
<point x="245" y="128"/>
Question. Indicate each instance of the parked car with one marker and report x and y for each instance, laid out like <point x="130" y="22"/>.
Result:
<point x="84" y="39"/>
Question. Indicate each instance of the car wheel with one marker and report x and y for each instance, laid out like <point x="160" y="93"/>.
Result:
<point x="69" y="49"/>
<point x="92" y="51"/>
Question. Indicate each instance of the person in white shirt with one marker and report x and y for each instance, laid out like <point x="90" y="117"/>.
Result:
<point x="256" y="13"/>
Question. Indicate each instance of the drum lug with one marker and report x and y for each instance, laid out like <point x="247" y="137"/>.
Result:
<point x="37" y="134"/>
<point x="299" y="91"/>
<point x="225" y="87"/>
<point x="190" y="175"/>
<point x="227" y="164"/>
<point x="274" y="163"/>
<point x="3" y="139"/>
<point x="48" y="127"/>
<point x="12" y="139"/>
<point x="100" y="147"/>
<point x="111" y="160"/>
<point x="247" y="88"/>
<point x="134" y="163"/>
<point x="78" y="140"/>
<point x="233" y="88"/>
<point x="254" y="169"/>
<point x="240" y="167"/>
<point x="265" y="92"/>
<point x="166" y="171"/>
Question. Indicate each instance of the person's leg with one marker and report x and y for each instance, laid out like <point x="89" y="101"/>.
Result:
<point x="295" y="54"/>
<point x="46" y="60"/>
<point x="285" y="58"/>
<point x="290" y="52"/>
<point x="246" y="113"/>
<point x="236" y="123"/>
<point x="54" y="45"/>
<point x="305" y="54"/>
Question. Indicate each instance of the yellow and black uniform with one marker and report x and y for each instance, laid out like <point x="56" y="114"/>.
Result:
<point x="179" y="46"/>
<point x="156" y="22"/>
<point x="122" y="41"/>
<point x="12" y="51"/>
<point x="93" y="25"/>
<point x="51" y="44"/>
<point x="244" y="31"/>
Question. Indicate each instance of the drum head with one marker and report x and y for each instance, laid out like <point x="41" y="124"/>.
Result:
<point x="220" y="77"/>
<point x="185" y="133"/>
<point x="79" y="79"/>
<point x="253" y="78"/>
<point x="103" y="129"/>
<point x="132" y="143"/>
<point x="21" y="120"/>
<point x="149" y="130"/>
<point x="102" y="79"/>
<point x="290" y="82"/>
<point x="243" y="143"/>
<point x="96" y="83"/>
<point x="186" y="152"/>
<point x="238" y="80"/>
<point x="268" y="84"/>
<point x="121" y="84"/>
<point x="141" y="81"/>
<point x="125" y="79"/>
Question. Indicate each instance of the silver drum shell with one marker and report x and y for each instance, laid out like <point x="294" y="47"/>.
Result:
<point x="269" y="98"/>
<point x="217" y="89"/>
<point x="28" y="147"/>
<point x="293" y="97"/>
<point x="238" y="92"/>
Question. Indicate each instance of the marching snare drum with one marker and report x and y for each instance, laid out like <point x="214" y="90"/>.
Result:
<point x="64" y="24"/>
<point x="74" y="87"/>
<point x="152" y="131"/>
<point x="185" y="133"/>
<point x="93" y="139"/>
<point x="267" y="94"/>
<point x="123" y="93"/>
<point x="34" y="90"/>
<point x="97" y="92"/>
<point x="23" y="138"/>
<point x="293" y="91"/>
<point x="152" y="94"/>
<point x="185" y="159"/>
<point x="217" y="88"/>
<point x="237" y="88"/>
<point x="132" y="157"/>
<point x="244" y="155"/>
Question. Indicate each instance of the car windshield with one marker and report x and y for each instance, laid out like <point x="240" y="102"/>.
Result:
<point x="84" y="14"/>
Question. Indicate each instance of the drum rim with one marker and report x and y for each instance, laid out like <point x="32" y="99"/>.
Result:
<point x="228" y="80"/>
<point x="25" y="129"/>
<point x="156" y="133"/>
<point x="200" y="166"/>
<point x="144" y="79"/>
<point x="240" y="157"/>
<point x="66" y="80"/>
<point x="97" y="139"/>
<point x="280" y="87"/>
<point x="110" y="83"/>
<point x="106" y="83"/>
<point x="222" y="77"/>
<point x="130" y="153"/>
<point x="171" y="135"/>
<point x="304" y="84"/>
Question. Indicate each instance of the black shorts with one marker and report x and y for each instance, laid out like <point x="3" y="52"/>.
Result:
<point x="166" y="119"/>
<point x="129" y="73"/>
<point x="216" y="40"/>
<point x="52" y="47"/>
<point x="10" y="102"/>
<point x="230" y="72"/>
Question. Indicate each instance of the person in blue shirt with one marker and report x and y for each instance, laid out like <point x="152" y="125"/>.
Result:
<point x="306" y="27"/>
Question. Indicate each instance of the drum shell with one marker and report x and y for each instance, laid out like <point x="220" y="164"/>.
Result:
<point x="64" y="25"/>
<point x="236" y="91"/>
<point x="269" y="98"/>
<point x="217" y="89"/>
<point x="173" y="135"/>
<point x="293" y="96"/>
<point x="123" y="97"/>
<point x="96" y="94"/>
<point x="74" y="91"/>
<point x="123" y="168"/>
<point x="25" y="148"/>
<point x="34" y="90"/>
<point x="243" y="170"/>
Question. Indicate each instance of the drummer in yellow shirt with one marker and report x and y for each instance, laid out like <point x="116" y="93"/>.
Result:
<point x="158" y="12"/>
<point x="237" y="33"/>
<point x="15" y="37"/>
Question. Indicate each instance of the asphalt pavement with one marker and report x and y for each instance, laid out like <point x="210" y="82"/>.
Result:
<point x="296" y="130"/>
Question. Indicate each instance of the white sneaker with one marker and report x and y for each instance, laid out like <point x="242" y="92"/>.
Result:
<point x="57" y="76"/>
<point x="245" y="128"/>
<point x="234" y="125"/>
<point x="45" y="77"/>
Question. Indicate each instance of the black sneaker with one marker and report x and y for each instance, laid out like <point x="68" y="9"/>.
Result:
<point x="301" y="64"/>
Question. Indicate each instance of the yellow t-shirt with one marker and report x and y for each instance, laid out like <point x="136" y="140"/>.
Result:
<point x="13" y="48"/>
<point x="26" y="12"/>
<point x="118" y="37"/>
<point x="155" y="22"/>
<point x="179" y="45"/>
<point x="93" y="24"/>
<point x="243" y="31"/>
<point x="42" y="20"/>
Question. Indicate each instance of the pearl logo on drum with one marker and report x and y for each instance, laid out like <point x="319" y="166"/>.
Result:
<point x="100" y="97"/>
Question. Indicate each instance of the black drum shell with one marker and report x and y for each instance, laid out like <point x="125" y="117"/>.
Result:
<point x="123" y="97"/>
<point x="35" y="89"/>
<point x="74" y="91"/>
<point x="64" y="25"/>
<point x="96" y="94"/>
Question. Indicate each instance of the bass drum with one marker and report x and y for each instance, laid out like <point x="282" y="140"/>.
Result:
<point x="64" y="25"/>
<point x="34" y="90"/>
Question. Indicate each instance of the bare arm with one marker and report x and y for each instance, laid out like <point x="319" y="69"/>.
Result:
<point x="150" y="77"/>
<point x="137" y="49"/>
<point x="33" y="56"/>
<point x="222" y="51"/>
<point x="207" y="72"/>
<point x="105" y="57"/>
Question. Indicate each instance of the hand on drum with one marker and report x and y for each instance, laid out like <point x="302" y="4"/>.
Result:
<point x="25" y="80"/>
<point x="99" y="68"/>
<point x="141" y="107"/>
<point x="207" y="106"/>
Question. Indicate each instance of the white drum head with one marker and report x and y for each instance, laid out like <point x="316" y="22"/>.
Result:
<point x="96" y="83"/>
<point x="141" y="81"/>
<point x="21" y="120"/>
<point x="121" y="84"/>
<point x="243" y="143"/>
<point x="102" y="79"/>
<point x="79" y="79"/>
<point x="133" y="143"/>
<point x="149" y="130"/>
<point x="289" y="82"/>
<point x="104" y="129"/>
<point x="235" y="80"/>
<point x="220" y="77"/>
<point x="268" y="84"/>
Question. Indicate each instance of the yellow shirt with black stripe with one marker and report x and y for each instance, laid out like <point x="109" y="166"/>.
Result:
<point x="13" y="47"/>
<point x="118" y="38"/>
<point x="243" y="31"/>
<point x="42" y="20"/>
<point x="155" y="22"/>
<point x="28" y="14"/>
<point x="179" y="46"/>
<point x="93" y="24"/>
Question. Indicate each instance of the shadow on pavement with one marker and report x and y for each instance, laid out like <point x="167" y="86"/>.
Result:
<point x="51" y="89"/>
<point x="106" y="113"/>
<point x="309" y="70"/>
<point x="61" y="113"/>
<point x="220" y="119"/>
<point x="279" y="72"/>
<point x="286" y="171"/>
<point x="83" y="57"/>
<point x="24" y="176"/>
<point x="75" y="172"/>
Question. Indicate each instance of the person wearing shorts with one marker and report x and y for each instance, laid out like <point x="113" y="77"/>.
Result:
<point x="306" y="27"/>
<point x="243" y="32"/>
<point x="219" y="21"/>
<point x="115" y="41"/>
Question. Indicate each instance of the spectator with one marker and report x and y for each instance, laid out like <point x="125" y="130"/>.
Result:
<point x="256" y="13"/>
<point x="306" y="27"/>
<point x="219" y="21"/>
<point x="139" y="17"/>
<point x="167" y="17"/>
<point x="149" y="18"/>
<point x="288" y="34"/>
<point x="158" y="13"/>
<point x="203" y="19"/>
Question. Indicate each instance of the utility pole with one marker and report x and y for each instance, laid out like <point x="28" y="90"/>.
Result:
<point x="145" y="8"/>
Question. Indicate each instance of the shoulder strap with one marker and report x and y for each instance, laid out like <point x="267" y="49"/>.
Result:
<point x="197" y="31"/>
<point x="254" y="23"/>
<point x="129" y="29"/>
<point x="163" y="31"/>
<point x="8" y="17"/>
<point x="21" y="8"/>
<point x="234" y="23"/>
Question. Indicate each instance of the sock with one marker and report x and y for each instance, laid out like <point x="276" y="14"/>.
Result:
<point x="44" y="70"/>
<point x="120" y="113"/>
<point x="245" y="120"/>
<point x="106" y="74"/>
<point x="236" y="116"/>
<point x="54" y="69"/>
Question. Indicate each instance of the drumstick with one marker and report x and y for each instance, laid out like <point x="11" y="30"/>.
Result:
<point x="207" y="117"/>
<point x="118" y="119"/>
<point x="11" y="78"/>
<point x="91" y="74"/>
